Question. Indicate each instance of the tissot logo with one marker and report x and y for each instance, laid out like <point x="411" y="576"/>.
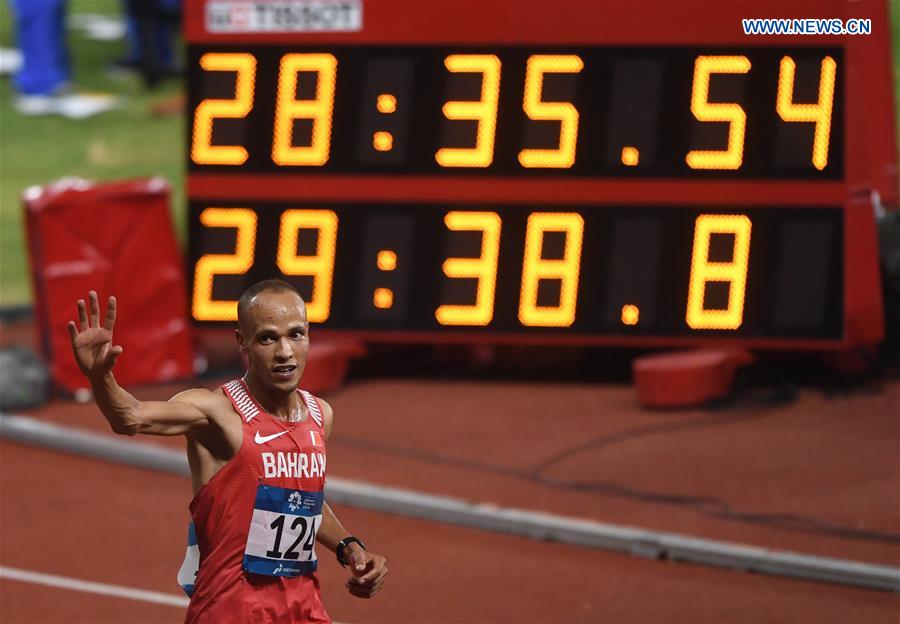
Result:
<point x="263" y="439"/>
<point x="284" y="16"/>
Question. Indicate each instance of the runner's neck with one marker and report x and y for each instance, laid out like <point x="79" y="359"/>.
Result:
<point x="287" y="407"/>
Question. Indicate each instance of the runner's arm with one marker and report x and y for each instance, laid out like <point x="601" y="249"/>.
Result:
<point x="368" y="569"/>
<point x="184" y="413"/>
<point x="96" y="355"/>
<point x="332" y="531"/>
<point x="327" y="417"/>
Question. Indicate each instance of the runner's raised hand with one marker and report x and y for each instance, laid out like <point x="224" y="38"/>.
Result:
<point x="92" y="343"/>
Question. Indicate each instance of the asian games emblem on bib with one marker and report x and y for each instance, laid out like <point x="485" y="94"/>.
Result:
<point x="295" y="501"/>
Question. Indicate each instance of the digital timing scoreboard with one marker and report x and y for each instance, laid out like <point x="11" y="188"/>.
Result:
<point x="548" y="171"/>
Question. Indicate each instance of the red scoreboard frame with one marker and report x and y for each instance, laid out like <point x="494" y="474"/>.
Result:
<point x="864" y="169"/>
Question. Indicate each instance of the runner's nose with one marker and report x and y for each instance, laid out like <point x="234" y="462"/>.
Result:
<point x="282" y="350"/>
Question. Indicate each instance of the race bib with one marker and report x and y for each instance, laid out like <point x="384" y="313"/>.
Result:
<point x="282" y="537"/>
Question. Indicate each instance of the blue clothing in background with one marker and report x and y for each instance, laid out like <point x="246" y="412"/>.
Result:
<point x="41" y="36"/>
<point x="162" y="37"/>
<point x="161" y="14"/>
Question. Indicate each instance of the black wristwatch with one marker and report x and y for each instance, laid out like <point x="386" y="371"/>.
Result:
<point x="341" y="545"/>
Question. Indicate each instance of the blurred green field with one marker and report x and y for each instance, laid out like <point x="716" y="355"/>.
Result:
<point x="125" y="143"/>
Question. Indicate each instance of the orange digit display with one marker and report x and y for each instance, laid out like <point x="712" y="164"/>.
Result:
<point x="703" y="271"/>
<point x="704" y="110"/>
<point x="630" y="156"/>
<point x="483" y="268"/>
<point x="386" y="103"/>
<point x="580" y="112"/>
<point x="320" y="265"/>
<point x="319" y="110"/>
<point x="203" y="152"/>
<point x="631" y="314"/>
<point x="203" y="306"/>
<point x="483" y="111"/>
<point x="383" y="141"/>
<point x="818" y="113"/>
<point x="383" y="298"/>
<point x="387" y="260"/>
<point x="535" y="268"/>
<point x="557" y="174"/>
<point x="564" y="112"/>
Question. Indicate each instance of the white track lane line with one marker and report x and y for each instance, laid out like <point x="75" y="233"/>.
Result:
<point x="89" y="587"/>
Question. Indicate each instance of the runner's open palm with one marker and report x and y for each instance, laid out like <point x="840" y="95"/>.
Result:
<point x="92" y="344"/>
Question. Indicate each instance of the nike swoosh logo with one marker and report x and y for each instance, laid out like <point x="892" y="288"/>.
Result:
<point x="263" y="439"/>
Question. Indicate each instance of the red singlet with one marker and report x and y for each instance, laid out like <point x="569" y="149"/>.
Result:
<point x="277" y="460"/>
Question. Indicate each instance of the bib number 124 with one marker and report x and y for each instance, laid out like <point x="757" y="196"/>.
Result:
<point x="302" y="529"/>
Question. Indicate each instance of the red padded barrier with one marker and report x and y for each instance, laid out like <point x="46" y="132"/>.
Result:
<point x="115" y="238"/>
<point x="686" y="378"/>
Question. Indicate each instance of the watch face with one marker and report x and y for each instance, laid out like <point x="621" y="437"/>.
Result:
<point x="342" y="545"/>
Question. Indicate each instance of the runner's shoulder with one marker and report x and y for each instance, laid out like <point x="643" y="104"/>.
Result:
<point x="208" y="401"/>
<point x="326" y="407"/>
<point x="327" y="416"/>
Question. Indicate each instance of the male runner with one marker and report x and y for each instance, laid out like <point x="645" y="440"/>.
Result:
<point x="257" y="455"/>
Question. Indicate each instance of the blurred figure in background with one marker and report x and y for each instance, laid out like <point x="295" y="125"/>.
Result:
<point x="151" y="28"/>
<point x="43" y="82"/>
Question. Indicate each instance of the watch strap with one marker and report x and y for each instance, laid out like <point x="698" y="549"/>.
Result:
<point x="341" y="545"/>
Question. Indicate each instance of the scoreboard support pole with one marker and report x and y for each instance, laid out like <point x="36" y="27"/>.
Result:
<point x="863" y="299"/>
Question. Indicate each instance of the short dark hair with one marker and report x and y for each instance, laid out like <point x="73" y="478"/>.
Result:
<point x="269" y="285"/>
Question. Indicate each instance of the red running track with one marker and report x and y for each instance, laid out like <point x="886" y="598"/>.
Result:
<point x="833" y="459"/>
<point x="90" y="520"/>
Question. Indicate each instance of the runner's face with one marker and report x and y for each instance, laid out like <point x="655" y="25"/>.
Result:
<point x="276" y="339"/>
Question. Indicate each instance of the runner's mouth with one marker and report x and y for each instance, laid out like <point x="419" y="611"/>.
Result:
<point x="284" y="370"/>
